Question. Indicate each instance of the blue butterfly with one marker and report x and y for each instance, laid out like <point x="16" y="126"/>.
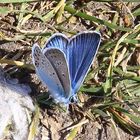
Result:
<point x="63" y="63"/>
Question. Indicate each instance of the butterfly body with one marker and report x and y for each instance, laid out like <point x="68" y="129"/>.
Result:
<point x="63" y="63"/>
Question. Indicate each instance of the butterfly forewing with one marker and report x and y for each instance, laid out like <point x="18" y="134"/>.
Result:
<point x="59" y="63"/>
<point x="47" y="73"/>
<point x="82" y="50"/>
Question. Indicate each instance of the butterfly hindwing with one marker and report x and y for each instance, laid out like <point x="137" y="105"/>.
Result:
<point x="48" y="75"/>
<point x="58" y="61"/>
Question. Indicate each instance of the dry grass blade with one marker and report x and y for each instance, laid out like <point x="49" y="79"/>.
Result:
<point x="75" y="129"/>
<point x="108" y="84"/>
<point x="17" y="63"/>
<point x="17" y="1"/>
<point x="34" y="125"/>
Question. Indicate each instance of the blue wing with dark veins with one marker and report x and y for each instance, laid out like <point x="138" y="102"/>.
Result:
<point x="82" y="50"/>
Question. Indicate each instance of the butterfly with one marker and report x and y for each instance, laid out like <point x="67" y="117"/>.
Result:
<point x="63" y="63"/>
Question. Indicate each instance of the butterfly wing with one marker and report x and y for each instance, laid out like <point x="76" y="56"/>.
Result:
<point x="58" y="61"/>
<point x="48" y="72"/>
<point x="57" y="40"/>
<point x="82" y="50"/>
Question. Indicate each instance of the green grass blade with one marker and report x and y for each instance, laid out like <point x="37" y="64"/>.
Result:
<point x="95" y="19"/>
